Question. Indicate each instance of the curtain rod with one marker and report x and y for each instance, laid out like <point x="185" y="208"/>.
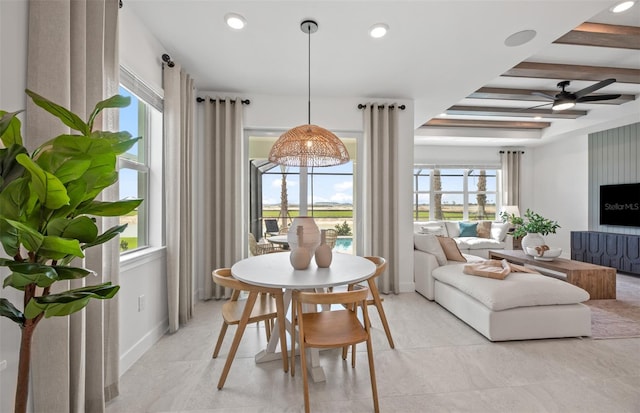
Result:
<point x="401" y="107"/>
<point x="511" y="151"/>
<point x="243" y="101"/>
<point x="167" y="59"/>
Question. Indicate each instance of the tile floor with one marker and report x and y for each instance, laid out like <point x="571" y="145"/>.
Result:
<point x="439" y="365"/>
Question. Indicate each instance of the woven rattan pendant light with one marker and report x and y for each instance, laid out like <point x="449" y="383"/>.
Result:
<point x="308" y="145"/>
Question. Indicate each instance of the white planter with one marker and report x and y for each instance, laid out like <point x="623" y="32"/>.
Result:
<point x="531" y="241"/>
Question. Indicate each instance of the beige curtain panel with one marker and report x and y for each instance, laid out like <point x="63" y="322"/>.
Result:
<point x="381" y="195"/>
<point x="72" y="59"/>
<point x="223" y="186"/>
<point x="179" y="105"/>
<point x="510" y="177"/>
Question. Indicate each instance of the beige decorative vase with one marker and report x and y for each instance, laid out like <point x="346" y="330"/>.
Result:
<point x="300" y="256"/>
<point x="323" y="252"/>
<point x="310" y="231"/>
<point x="531" y="240"/>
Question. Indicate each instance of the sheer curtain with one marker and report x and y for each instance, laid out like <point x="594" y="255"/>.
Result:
<point x="179" y="105"/>
<point x="73" y="60"/>
<point x="223" y="183"/>
<point x="381" y="193"/>
<point x="510" y="177"/>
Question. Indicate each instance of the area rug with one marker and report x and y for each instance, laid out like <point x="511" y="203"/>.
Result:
<point x="619" y="318"/>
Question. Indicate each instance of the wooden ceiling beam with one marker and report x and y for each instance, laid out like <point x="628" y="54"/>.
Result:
<point x="603" y="35"/>
<point x="573" y="72"/>
<point x="527" y="94"/>
<point x="478" y="123"/>
<point x="517" y="112"/>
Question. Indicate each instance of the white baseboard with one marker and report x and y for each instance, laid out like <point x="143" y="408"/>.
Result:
<point x="132" y="355"/>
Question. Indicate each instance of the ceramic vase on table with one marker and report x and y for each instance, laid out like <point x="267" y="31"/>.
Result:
<point x="531" y="240"/>
<point x="323" y="253"/>
<point x="311" y="234"/>
<point x="300" y="256"/>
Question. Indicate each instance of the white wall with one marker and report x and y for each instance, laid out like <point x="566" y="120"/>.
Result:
<point x="559" y="180"/>
<point x="13" y="69"/>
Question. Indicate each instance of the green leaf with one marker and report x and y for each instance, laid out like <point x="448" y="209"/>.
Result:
<point x="10" y="169"/>
<point x="10" y="311"/>
<point x="9" y="237"/>
<point x="115" y="101"/>
<point x="29" y="237"/>
<point x="19" y="280"/>
<point x="14" y="198"/>
<point x="111" y="209"/>
<point x="10" y="129"/>
<point x="66" y="116"/>
<point x="72" y="273"/>
<point x="106" y="236"/>
<point x="57" y="248"/>
<point x="80" y="145"/>
<point x="68" y="302"/>
<point x="65" y="167"/>
<point x="81" y="228"/>
<point x="51" y="192"/>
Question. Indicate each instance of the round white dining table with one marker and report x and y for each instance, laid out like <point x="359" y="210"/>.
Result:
<point x="275" y="270"/>
<point x="280" y="240"/>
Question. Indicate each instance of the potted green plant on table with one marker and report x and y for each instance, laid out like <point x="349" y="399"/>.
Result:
<point x="47" y="209"/>
<point x="531" y="228"/>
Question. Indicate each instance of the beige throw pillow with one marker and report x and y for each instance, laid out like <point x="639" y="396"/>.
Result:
<point x="451" y="250"/>
<point x="484" y="229"/>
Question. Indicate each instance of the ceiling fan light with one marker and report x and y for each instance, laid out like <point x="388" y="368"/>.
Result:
<point x="563" y="105"/>
<point x="622" y="7"/>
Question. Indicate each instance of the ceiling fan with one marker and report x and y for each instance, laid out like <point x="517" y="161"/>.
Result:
<point x="565" y="99"/>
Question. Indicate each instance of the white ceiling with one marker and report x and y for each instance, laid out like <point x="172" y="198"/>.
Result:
<point x="436" y="52"/>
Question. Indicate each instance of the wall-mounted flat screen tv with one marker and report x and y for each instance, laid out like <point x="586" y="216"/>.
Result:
<point x="620" y="205"/>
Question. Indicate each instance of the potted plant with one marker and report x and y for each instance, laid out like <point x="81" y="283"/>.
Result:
<point x="47" y="210"/>
<point x="531" y="228"/>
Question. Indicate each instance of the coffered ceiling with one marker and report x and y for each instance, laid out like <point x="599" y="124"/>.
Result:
<point x="443" y="55"/>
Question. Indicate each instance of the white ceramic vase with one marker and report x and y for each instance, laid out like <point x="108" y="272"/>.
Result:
<point x="310" y="232"/>
<point x="323" y="252"/>
<point x="531" y="240"/>
<point x="300" y="256"/>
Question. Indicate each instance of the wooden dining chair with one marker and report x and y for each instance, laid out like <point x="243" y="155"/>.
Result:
<point x="262" y="304"/>
<point x="374" y="294"/>
<point x="331" y="329"/>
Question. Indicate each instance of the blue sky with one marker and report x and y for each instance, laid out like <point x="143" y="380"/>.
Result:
<point x="331" y="188"/>
<point x="128" y="179"/>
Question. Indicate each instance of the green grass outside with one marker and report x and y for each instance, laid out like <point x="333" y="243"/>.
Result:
<point x="132" y="243"/>
<point x="317" y="213"/>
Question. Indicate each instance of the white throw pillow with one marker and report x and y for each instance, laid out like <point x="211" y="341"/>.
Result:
<point x="499" y="230"/>
<point x="429" y="243"/>
<point x="453" y="229"/>
<point x="435" y="228"/>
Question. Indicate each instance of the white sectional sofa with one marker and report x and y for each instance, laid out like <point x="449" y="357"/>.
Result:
<point x="495" y="235"/>
<point x="520" y="307"/>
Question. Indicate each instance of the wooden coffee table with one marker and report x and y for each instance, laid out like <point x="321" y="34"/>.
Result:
<point x="598" y="281"/>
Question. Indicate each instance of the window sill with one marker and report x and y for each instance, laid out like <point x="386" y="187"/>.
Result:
<point x="144" y="256"/>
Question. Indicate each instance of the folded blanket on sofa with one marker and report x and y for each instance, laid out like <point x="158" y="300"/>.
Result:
<point x="498" y="269"/>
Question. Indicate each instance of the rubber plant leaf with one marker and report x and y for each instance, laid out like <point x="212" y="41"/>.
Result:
<point x="106" y="236"/>
<point x="29" y="237"/>
<point x="68" y="302"/>
<point x="66" y="116"/>
<point x="51" y="192"/>
<point x="111" y="209"/>
<point x="11" y="312"/>
<point x="57" y="248"/>
<point x="10" y="129"/>
<point x="82" y="228"/>
<point x="115" y="101"/>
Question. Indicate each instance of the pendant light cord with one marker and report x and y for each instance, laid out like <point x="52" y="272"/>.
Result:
<point x="309" y="79"/>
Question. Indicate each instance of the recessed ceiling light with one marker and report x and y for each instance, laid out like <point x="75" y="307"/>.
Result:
<point x="378" y="30"/>
<point x="520" y="38"/>
<point x="235" y="21"/>
<point x="537" y="117"/>
<point x="443" y="114"/>
<point x="623" y="6"/>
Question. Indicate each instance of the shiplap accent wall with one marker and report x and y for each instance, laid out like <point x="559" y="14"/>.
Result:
<point x="613" y="159"/>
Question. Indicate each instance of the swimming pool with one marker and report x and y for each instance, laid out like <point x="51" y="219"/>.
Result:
<point x="344" y="244"/>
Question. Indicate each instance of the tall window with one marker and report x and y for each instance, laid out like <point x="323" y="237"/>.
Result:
<point x="143" y="119"/>
<point x="454" y="194"/>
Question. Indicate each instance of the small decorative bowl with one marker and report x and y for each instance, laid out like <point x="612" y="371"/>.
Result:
<point x="544" y="255"/>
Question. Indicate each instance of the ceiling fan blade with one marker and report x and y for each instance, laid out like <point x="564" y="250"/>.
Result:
<point x="534" y="107"/>
<point x="544" y="95"/>
<point x="594" y="87"/>
<point x="596" y="98"/>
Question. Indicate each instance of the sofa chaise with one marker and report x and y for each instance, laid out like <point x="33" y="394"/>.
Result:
<point x="522" y="306"/>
